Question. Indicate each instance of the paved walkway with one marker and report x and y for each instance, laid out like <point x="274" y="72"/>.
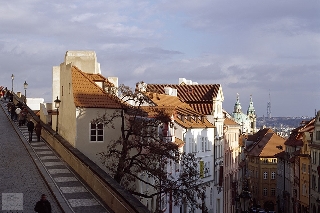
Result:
<point x="21" y="166"/>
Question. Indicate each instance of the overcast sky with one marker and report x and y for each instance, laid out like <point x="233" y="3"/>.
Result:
<point x="249" y="47"/>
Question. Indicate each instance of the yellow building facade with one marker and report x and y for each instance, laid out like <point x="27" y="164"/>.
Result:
<point x="262" y="167"/>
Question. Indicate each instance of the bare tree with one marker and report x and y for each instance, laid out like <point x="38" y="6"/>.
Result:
<point x="143" y="154"/>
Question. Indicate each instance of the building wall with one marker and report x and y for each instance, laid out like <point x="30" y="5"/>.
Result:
<point x="193" y="144"/>
<point x="304" y="181"/>
<point x="231" y="162"/>
<point x="83" y="143"/>
<point x="67" y="126"/>
<point x="263" y="187"/>
<point x="315" y="162"/>
<point x="84" y="60"/>
<point x="55" y="83"/>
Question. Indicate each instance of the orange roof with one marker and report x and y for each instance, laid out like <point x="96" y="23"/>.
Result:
<point x="88" y="94"/>
<point x="265" y="143"/>
<point x="308" y="127"/>
<point x="96" y="77"/>
<point x="100" y="78"/>
<point x="228" y="121"/>
<point x="199" y="97"/>
<point x="184" y="114"/>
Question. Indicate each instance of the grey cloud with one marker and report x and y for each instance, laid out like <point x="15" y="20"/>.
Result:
<point x="157" y="50"/>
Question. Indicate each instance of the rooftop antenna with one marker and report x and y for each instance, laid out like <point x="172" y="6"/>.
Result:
<point x="269" y="107"/>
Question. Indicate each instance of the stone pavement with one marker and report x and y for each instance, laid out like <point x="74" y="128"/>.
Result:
<point x="34" y="168"/>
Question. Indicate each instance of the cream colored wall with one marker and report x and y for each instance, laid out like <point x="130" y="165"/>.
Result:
<point x="83" y="144"/>
<point x="67" y="111"/>
<point x="55" y="83"/>
<point x="84" y="60"/>
<point x="231" y="142"/>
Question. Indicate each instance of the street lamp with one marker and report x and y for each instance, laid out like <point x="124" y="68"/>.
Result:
<point x="57" y="105"/>
<point x="25" y="86"/>
<point x="12" y="78"/>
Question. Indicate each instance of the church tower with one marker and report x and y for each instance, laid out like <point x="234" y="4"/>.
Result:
<point x="252" y="117"/>
<point x="237" y="106"/>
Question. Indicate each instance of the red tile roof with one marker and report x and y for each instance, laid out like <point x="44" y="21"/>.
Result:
<point x="199" y="97"/>
<point x="265" y="143"/>
<point x="88" y="94"/>
<point x="184" y="114"/>
<point x="228" y="121"/>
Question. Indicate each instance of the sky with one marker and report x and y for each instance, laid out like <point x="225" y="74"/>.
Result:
<point x="250" y="47"/>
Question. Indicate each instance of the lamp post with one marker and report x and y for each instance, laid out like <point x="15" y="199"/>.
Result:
<point x="57" y="105"/>
<point x="12" y="78"/>
<point x="25" y="86"/>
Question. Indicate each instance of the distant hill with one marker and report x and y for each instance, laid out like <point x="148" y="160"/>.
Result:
<point x="281" y="122"/>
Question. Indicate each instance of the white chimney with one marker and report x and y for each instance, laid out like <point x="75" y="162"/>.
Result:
<point x="168" y="90"/>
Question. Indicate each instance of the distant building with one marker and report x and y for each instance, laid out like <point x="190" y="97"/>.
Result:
<point x="315" y="166"/>
<point x="261" y="149"/>
<point x="231" y="165"/>
<point x="246" y="121"/>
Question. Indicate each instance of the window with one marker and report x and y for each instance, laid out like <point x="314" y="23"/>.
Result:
<point x="96" y="132"/>
<point x="265" y="175"/>
<point x="207" y="144"/>
<point x="317" y="135"/>
<point x="265" y="192"/>
<point x="304" y="168"/>
<point x="202" y="144"/>
<point x="313" y="182"/>
<point x="273" y="175"/>
<point x="273" y="192"/>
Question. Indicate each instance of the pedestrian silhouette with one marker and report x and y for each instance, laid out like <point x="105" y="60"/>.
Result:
<point x="30" y="126"/>
<point x="43" y="205"/>
<point x="38" y="128"/>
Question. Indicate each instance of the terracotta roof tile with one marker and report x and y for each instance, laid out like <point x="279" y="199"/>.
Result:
<point x="184" y="114"/>
<point x="204" y="108"/>
<point x="228" y="121"/>
<point x="199" y="97"/>
<point x="266" y="143"/>
<point x="88" y="94"/>
<point x="96" y="77"/>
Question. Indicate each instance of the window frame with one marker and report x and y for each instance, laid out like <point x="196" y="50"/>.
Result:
<point x="99" y="133"/>
<point x="265" y="175"/>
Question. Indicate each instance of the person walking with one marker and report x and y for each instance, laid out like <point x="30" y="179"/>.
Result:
<point x="13" y="112"/>
<point x="38" y="128"/>
<point x="30" y="126"/>
<point x="18" y="111"/>
<point x="24" y="114"/>
<point x="43" y="205"/>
